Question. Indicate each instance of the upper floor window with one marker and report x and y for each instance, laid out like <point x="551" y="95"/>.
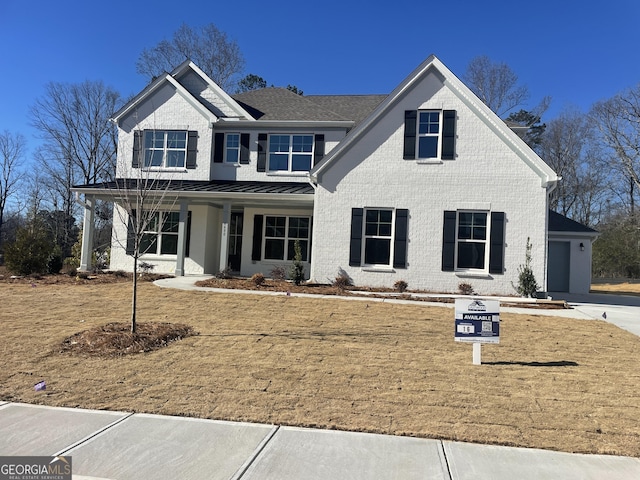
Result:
<point x="232" y="148"/>
<point x="429" y="134"/>
<point x="290" y="153"/>
<point x="165" y="148"/>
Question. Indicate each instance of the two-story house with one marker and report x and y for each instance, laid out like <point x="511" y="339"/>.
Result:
<point x="425" y="185"/>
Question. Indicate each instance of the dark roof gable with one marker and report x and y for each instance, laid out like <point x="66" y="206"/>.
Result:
<point x="560" y="223"/>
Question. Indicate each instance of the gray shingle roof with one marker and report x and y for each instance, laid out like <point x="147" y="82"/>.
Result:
<point x="281" y="104"/>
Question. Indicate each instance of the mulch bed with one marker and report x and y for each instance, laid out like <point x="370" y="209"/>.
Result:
<point x="116" y="339"/>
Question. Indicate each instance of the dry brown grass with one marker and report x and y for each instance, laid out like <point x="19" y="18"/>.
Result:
<point x="616" y="286"/>
<point x="552" y="383"/>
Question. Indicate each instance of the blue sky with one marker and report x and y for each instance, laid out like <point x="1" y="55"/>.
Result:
<point x="577" y="52"/>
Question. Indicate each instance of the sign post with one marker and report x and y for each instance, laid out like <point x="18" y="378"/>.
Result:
<point x="477" y="321"/>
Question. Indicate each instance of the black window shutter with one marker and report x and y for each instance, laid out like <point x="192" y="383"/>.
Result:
<point x="449" y="241"/>
<point x="496" y="248"/>
<point x="449" y="135"/>
<point x="256" y="252"/>
<point x="355" y="247"/>
<point x="131" y="238"/>
<point x="192" y="149"/>
<point x="218" y="147"/>
<point x="318" y="150"/>
<point x="137" y="148"/>
<point x="188" y="239"/>
<point x="400" y="239"/>
<point x="262" y="152"/>
<point x="410" y="129"/>
<point x="244" y="148"/>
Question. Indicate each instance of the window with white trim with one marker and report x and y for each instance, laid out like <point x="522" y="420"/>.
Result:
<point x="290" y="153"/>
<point x="165" y="148"/>
<point x="428" y="138"/>
<point x="378" y="237"/>
<point x="471" y="240"/>
<point x="280" y="234"/>
<point x="160" y="236"/>
<point x="232" y="148"/>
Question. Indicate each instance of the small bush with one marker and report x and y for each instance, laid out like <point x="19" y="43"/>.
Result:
<point x="55" y="263"/>
<point x="297" y="269"/>
<point x="145" y="267"/>
<point x="224" y="274"/>
<point x="465" y="288"/>
<point x="278" y="273"/>
<point x="342" y="281"/>
<point x="69" y="267"/>
<point x="82" y="275"/>
<point x="258" y="279"/>
<point x="527" y="285"/>
<point x="31" y="252"/>
<point x="400" y="286"/>
<point x="120" y="274"/>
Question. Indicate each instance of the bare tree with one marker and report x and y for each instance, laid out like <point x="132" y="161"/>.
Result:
<point x="495" y="84"/>
<point x="12" y="151"/>
<point x="217" y="56"/>
<point x="79" y="143"/>
<point x="142" y="197"/>
<point x="618" y="121"/>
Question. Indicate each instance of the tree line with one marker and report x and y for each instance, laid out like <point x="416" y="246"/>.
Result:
<point x="597" y="153"/>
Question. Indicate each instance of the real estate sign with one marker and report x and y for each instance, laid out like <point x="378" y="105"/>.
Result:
<point x="477" y="321"/>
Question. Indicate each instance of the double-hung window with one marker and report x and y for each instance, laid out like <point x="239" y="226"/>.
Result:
<point x="290" y="153"/>
<point x="232" y="148"/>
<point x="160" y="235"/>
<point x="378" y="230"/>
<point x="428" y="134"/>
<point x="280" y="235"/>
<point x="165" y="148"/>
<point x="471" y="241"/>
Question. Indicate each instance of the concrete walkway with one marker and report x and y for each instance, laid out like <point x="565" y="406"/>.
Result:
<point x="120" y="445"/>
<point x="620" y="310"/>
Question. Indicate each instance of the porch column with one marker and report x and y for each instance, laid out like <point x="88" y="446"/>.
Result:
<point x="224" y="235"/>
<point x="87" y="233"/>
<point x="182" y="237"/>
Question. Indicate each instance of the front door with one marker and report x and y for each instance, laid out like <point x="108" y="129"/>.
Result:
<point x="235" y="241"/>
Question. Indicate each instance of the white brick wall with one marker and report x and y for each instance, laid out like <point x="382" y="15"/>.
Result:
<point x="165" y="110"/>
<point x="486" y="174"/>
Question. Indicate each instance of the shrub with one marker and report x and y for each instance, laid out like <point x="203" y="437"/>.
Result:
<point x="465" y="288"/>
<point x="401" y="286"/>
<point x="120" y="273"/>
<point x="69" y="267"/>
<point x="224" y="274"/>
<point x="145" y="267"/>
<point x="31" y="252"/>
<point x="297" y="269"/>
<point x="54" y="262"/>
<point x="278" y="273"/>
<point x="342" y="281"/>
<point x="257" y="279"/>
<point x="527" y="285"/>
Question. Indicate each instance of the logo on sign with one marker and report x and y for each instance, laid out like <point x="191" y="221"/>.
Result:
<point x="477" y="306"/>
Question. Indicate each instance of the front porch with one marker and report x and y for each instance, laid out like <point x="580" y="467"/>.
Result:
<point x="204" y="227"/>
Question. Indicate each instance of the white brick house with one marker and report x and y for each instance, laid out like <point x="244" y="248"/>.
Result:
<point x="425" y="185"/>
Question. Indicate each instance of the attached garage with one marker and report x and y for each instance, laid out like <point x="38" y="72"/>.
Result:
<point x="569" y="257"/>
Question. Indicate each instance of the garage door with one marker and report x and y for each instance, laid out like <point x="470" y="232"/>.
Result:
<point x="558" y="269"/>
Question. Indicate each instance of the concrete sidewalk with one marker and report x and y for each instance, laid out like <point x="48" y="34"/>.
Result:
<point x="120" y="445"/>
